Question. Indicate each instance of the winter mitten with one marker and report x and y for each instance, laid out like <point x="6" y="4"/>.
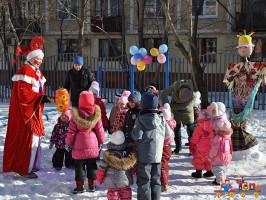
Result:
<point x="51" y="145"/>
<point x="100" y="176"/>
<point x="68" y="148"/>
<point x="46" y="99"/>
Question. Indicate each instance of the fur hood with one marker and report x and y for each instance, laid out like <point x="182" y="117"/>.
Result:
<point x="120" y="164"/>
<point x="86" y="123"/>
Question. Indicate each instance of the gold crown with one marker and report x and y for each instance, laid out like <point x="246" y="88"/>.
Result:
<point x="245" y="40"/>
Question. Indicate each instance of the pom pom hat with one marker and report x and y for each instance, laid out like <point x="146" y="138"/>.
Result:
<point x="94" y="88"/>
<point x="218" y="108"/>
<point x="34" y="50"/>
<point x="117" y="138"/>
<point x="86" y="101"/>
<point x="124" y="97"/>
<point x="149" y="100"/>
<point x="245" y="40"/>
<point x="78" y="60"/>
<point x="166" y="110"/>
<point x="135" y="97"/>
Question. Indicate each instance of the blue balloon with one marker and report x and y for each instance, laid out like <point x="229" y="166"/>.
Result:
<point x="138" y="57"/>
<point x="163" y="48"/>
<point x="133" y="50"/>
<point x="143" y="51"/>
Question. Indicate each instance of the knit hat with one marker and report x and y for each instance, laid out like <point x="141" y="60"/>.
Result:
<point x="153" y="89"/>
<point x="68" y="114"/>
<point x="219" y="108"/>
<point x="124" y="97"/>
<point x="149" y="100"/>
<point x="184" y="94"/>
<point x="86" y="101"/>
<point x="117" y="138"/>
<point x="78" y="60"/>
<point x="135" y="97"/>
<point x="197" y="99"/>
<point x="166" y="110"/>
<point x="94" y="88"/>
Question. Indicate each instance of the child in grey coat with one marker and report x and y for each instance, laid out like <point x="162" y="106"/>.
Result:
<point x="149" y="132"/>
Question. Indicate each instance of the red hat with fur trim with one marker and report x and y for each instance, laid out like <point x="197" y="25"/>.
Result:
<point x="86" y="101"/>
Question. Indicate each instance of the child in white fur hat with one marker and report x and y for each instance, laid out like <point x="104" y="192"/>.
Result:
<point x="115" y="170"/>
<point x="167" y="151"/>
<point x="121" y="113"/>
<point x="221" y="146"/>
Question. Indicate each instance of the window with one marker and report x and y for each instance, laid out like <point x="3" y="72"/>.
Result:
<point x="153" y="9"/>
<point x="105" y="8"/>
<point x="67" y="9"/>
<point x="209" y="8"/>
<point x="107" y="50"/>
<point x="24" y="9"/>
<point x="152" y="43"/>
<point x="208" y="49"/>
<point x="67" y="47"/>
<point x="259" y="53"/>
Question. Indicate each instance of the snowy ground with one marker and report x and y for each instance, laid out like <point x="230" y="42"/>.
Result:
<point x="53" y="184"/>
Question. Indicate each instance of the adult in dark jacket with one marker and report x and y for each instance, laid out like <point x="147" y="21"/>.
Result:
<point x="78" y="79"/>
<point x="182" y="107"/>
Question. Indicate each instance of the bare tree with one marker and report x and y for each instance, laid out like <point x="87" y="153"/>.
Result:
<point x="191" y="53"/>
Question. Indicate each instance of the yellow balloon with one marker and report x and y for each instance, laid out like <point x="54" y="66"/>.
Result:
<point x="154" y="52"/>
<point x="141" y="65"/>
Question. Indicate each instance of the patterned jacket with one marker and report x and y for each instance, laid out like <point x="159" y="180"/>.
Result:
<point x="59" y="134"/>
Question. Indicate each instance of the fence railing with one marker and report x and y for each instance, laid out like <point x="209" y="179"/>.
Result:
<point x="116" y="75"/>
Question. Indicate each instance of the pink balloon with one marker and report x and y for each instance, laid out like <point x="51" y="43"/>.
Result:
<point x="147" y="59"/>
<point x="133" y="61"/>
<point x="161" y="58"/>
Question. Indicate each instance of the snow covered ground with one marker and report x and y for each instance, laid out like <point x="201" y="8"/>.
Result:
<point x="53" y="184"/>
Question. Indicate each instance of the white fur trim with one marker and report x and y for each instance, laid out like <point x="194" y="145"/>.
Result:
<point x="29" y="80"/>
<point x="35" y="53"/>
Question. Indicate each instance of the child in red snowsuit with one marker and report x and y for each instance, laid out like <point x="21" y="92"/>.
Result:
<point x="200" y="144"/>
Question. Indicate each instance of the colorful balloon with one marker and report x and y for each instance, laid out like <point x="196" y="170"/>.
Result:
<point x="133" y="61"/>
<point x="141" y="65"/>
<point x="62" y="100"/>
<point x="147" y="59"/>
<point x="161" y="58"/>
<point x="133" y="50"/>
<point x="163" y="48"/>
<point x="143" y="51"/>
<point x="154" y="52"/>
<point x="138" y="57"/>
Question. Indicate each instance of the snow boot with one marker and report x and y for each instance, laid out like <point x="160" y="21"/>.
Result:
<point x="164" y="188"/>
<point x="208" y="174"/>
<point x="215" y="183"/>
<point x="92" y="185"/>
<point x="80" y="187"/>
<point x="178" y="144"/>
<point x="197" y="174"/>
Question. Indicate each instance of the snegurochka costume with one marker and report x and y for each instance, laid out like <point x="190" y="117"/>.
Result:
<point x="243" y="80"/>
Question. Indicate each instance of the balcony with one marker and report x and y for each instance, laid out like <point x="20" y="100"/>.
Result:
<point x="108" y="24"/>
<point x="258" y="18"/>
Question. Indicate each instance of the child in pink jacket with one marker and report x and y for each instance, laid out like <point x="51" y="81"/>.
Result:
<point x="167" y="151"/>
<point x="200" y="144"/>
<point x="85" y="135"/>
<point x="221" y="146"/>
